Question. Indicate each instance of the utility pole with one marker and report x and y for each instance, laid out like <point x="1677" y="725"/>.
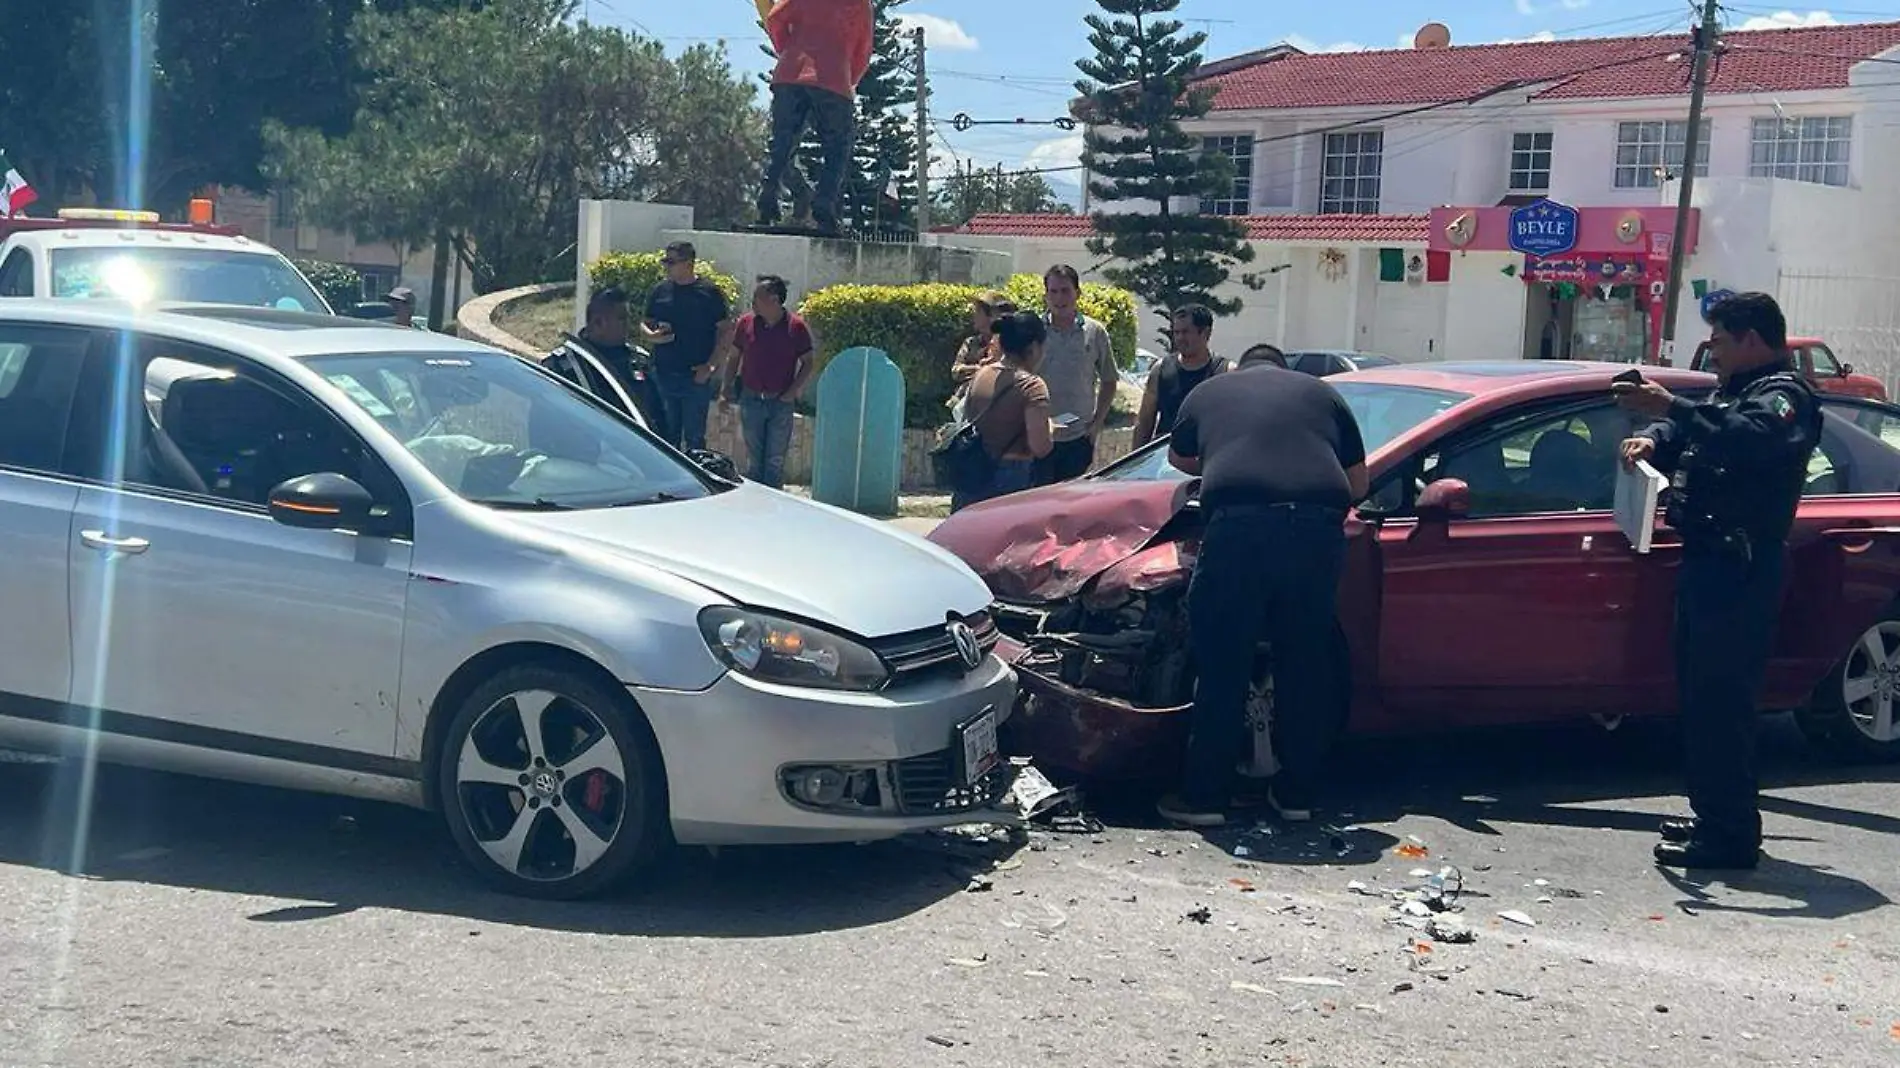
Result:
<point x="923" y="136"/>
<point x="1704" y="38"/>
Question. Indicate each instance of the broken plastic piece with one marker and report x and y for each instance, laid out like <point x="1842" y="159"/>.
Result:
<point x="1518" y="917"/>
<point x="1412" y="851"/>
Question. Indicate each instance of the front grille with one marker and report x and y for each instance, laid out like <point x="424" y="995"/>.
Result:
<point x="925" y="653"/>
<point x="928" y="785"/>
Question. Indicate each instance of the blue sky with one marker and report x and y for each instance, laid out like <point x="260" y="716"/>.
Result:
<point x="1011" y="59"/>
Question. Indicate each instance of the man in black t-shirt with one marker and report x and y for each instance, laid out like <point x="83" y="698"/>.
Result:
<point x="1281" y="461"/>
<point x="688" y="324"/>
<point x="1190" y="364"/>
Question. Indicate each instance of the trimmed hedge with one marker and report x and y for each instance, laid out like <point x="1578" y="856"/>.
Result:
<point x="639" y="272"/>
<point x="921" y="327"/>
<point x="341" y="285"/>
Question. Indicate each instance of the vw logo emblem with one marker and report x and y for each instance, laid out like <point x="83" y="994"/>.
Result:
<point x="967" y="646"/>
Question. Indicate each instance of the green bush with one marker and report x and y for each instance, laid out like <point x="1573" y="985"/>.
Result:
<point x="921" y="327"/>
<point x="639" y="272"/>
<point x="342" y="286"/>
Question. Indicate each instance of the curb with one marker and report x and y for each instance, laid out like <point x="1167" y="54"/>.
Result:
<point x="476" y="319"/>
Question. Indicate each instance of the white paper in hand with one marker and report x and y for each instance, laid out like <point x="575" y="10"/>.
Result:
<point x="1637" y="491"/>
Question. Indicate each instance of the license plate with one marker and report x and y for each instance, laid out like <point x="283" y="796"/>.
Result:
<point x="976" y="742"/>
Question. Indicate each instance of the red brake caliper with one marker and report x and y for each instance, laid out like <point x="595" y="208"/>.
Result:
<point x="595" y="796"/>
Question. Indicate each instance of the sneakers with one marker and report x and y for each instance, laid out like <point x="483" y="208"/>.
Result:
<point x="1677" y="830"/>
<point x="1175" y="810"/>
<point x="1701" y="853"/>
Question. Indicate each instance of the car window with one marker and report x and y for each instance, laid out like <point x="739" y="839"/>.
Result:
<point x="1313" y="363"/>
<point x="200" y="275"/>
<point x="1859" y="452"/>
<point x="1384" y="411"/>
<point x="215" y="426"/>
<point x="1146" y="465"/>
<point x="16" y="274"/>
<point x="499" y="432"/>
<point x="39" y="377"/>
<point x="1538" y="463"/>
<point x="1821" y="360"/>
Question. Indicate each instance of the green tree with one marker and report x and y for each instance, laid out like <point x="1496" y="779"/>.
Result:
<point x="482" y="129"/>
<point x="972" y="191"/>
<point x="884" y="154"/>
<point x="145" y="119"/>
<point x="1139" y="89"/>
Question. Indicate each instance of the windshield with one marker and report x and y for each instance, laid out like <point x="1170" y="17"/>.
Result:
<point x="1386" y="411"/>
<point x="499" y="432"/>
<point x="1382" y="411"/>
<point x="196" y="275"/>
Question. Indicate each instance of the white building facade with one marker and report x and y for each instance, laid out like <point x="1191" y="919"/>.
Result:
<point x="1382" y="187"/>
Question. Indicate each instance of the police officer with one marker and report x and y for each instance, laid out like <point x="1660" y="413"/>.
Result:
<point x="1281" y="459"/>
<point x="1190" y="364"/>
<point x="1739" y="462"/>
<point x="605" y="338"/>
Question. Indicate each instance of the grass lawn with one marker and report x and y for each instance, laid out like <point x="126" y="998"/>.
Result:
<point x="539" y="321"/>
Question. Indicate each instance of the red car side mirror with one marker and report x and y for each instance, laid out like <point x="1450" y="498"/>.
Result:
<point x="1444" y="500"/>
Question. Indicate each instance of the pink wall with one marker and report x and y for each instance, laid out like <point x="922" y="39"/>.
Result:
<point x="1596" y="229"/>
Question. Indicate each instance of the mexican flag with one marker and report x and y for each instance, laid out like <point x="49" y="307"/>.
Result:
<point x="15" y="194"/>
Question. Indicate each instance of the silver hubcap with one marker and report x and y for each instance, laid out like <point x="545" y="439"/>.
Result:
<point x="541" y="785"/>
<point x="1871" y="682"/>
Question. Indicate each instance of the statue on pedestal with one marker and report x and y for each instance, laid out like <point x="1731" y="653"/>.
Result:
<point x="824" y="50"/>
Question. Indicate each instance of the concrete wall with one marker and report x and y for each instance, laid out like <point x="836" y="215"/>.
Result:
<point x="619" y="226"/>
<point x="810" y="264"/>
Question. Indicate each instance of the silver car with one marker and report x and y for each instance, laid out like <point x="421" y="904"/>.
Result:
<point x="323" y="554"/>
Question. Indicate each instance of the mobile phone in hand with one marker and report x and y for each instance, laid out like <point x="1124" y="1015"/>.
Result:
<point x="1631" y="377"/>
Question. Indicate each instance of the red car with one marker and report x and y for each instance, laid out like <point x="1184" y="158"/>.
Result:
<point x="1818" y="363"/>
<point x="1486" y="580"/>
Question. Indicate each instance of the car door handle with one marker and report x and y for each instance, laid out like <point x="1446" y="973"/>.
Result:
<point x="100" y="540"/>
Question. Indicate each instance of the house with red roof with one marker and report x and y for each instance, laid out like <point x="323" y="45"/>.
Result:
<point x="1507" y="200"/>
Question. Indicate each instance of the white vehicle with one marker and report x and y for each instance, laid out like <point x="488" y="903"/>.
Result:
<point x="324" y="554"/>
<point x="132" y="256"/>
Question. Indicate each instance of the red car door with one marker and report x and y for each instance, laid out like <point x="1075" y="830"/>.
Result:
<point x="1533" y="605"/>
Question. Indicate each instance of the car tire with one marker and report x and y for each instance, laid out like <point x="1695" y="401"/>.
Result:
<point x="1844" y="717"/>
<point x="569" y="815"/>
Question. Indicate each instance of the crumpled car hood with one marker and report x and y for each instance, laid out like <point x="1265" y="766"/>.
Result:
<point x="1045" y="545"/>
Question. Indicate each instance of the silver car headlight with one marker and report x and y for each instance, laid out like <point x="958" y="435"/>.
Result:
<point x="783" y="651"/>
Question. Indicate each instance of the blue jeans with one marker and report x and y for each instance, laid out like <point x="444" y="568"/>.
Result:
<point x="767" y="423"/>
<point x="686" y="403"/>
<point x="1265" y="573"/>
<point x="1008" y="476"/>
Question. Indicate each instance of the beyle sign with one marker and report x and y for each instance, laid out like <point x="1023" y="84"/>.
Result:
<point x="1544" y="228"/>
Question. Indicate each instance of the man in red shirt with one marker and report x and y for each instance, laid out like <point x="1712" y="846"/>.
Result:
<point x="774" y="363"/>
<point x="824" y="48"/>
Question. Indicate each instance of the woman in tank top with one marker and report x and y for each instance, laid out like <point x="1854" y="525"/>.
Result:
<point x="1010" y="405"/>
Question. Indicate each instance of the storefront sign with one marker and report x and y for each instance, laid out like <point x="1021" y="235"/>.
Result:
<point x="1544" y="228"/>
<point x="1585" y="270"/>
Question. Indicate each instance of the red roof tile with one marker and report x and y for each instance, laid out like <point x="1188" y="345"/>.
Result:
<point x="1756" y="61"/>
<point x="1398" y="229"/>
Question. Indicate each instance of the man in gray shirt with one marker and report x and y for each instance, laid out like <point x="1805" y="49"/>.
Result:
<point x="1079" y="367"/>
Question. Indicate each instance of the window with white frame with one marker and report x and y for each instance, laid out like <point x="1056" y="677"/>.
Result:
<point x="1530" y="162"/>
<point x="378" y="280"/>
<point x="1645" y="150"/>
<point x="1238" y="151"/>
<point x="1349" y="176"/>
<point x="1805" y="149"/>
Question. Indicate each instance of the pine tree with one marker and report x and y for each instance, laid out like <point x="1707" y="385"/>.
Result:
<point x="1138" y="92"/>
<point x="885" y="153"/>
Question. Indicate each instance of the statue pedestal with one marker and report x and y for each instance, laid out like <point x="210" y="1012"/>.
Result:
<point x="808" y="262"/>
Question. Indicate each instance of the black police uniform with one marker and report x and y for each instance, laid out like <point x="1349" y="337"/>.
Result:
<point x="1739" y="462"/>
<point x="1174" y="382"/>
<point x="628" y="365"/>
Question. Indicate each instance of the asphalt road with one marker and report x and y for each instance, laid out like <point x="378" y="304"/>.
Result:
<point x="221" y="925"/>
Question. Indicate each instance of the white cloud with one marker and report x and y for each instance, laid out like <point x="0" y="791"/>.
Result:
<point x="1525" y="7"/>
<point x="1065" y="151"/>
<point x="1536" y="38"/>
<point x="1575" y="5"/>
<point x="940" y="33"/>
<point x="1307" y="44"/>
<point x="1782" y="20"/>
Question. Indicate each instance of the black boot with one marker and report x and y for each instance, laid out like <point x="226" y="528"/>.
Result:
<point x="1703" y="853"/>
<point x="1678" y="830"/>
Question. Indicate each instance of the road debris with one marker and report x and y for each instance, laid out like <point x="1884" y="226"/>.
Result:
<point x="979" y="885"/>
<point x="1310" y="980"/>
<point x="1479" y="799"/>
<point x="1242" y="885"/>
<point x="1253" y="988"/>
<point x="1412" y="851"/>
<point x="1401" y="988"/>
<point x="938" y="1040"/>
<point x="1450" y="929"/>
<point x="1514" y="995"/>
<point x="1201" y="915"/>
<point x="1518" y="917"/>
<point x="971" y="962"/>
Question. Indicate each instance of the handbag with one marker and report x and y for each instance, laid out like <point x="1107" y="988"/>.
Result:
<point x="960" y="461"/>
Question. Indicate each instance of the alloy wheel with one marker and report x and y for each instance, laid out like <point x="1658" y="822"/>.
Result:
<point x="1870" y="683"/>
<point x="542" y="785"/>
